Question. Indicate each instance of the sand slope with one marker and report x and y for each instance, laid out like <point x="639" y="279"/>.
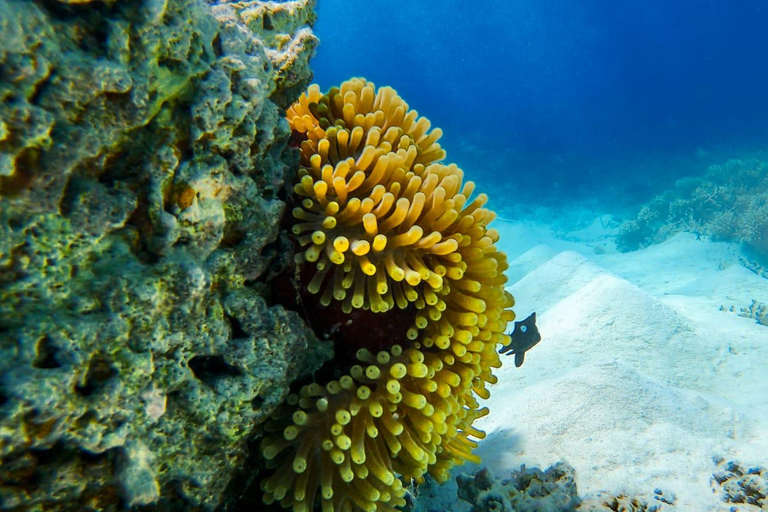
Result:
<point x="639" y="381"/>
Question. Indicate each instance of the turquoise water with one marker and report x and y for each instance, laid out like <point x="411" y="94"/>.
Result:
<point x="566" y="100"/>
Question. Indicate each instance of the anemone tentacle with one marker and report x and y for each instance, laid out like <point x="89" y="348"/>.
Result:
<point x="383" y="224"/>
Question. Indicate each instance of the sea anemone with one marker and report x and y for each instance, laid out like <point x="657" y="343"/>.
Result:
<point x="387" y="235"/>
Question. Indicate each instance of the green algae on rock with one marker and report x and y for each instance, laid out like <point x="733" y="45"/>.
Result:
<point x="142" y="157"/>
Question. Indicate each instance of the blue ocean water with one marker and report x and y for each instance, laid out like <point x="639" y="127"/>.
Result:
<point x="566" y="100"/>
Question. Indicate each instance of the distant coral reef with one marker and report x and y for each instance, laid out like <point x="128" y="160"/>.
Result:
<point x="142" y="156"/>
<point x="729" y="203"/>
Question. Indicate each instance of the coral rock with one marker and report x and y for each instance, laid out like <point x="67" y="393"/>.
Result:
<point x="142" y="148"/>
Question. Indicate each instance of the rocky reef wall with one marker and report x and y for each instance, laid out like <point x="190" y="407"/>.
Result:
<point x="143" y="153"/>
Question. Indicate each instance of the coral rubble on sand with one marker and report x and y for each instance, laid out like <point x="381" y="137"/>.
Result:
<point x="757" y="311"/>
<point x="552" y="490"/>
<point x="740" y="485"/>
<point x="142" y="153"/>
<point x="527" y="489"/>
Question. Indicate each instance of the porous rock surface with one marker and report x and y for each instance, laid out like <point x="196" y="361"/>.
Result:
<point x="143" y="154"/>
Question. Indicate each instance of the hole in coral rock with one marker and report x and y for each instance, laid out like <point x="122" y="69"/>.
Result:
<point x="237" y="328"/>
<point x="16" y="223"/>
<point x="266" y="22"/>
<point x="231" y="238"/>
<point x="45" y="457"/>
<point x="46" y="354"/>
<point x="216" y="45"/>
<point x="210" y="368"/>
<point x="257" y="403"/>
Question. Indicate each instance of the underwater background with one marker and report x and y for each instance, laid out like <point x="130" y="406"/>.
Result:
<point x="566" y="100"/>
<point x="225" y="289"/>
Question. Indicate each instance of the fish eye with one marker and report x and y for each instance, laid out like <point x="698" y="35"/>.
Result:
<point x="524" y="328"/>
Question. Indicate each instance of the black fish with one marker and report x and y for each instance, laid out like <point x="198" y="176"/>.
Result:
<point x="525" y="336"/>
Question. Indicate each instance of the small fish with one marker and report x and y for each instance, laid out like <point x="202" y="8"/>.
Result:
<point x="524" y="337"/>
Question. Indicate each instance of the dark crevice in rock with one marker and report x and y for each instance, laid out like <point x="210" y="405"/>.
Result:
<point x="86" y="419"/>
<point x="210" y="368"/>
<point x="216" y="45"/>
<point x="268" y="194"/>
<point x="278" y="279"/>
<point x="237" y="328"/>
<point x="27" y="168"/>
<point x="122" y="165"/>
<point x="46" y="354"/>
<point x="231" y="238"/>
<point x="282" y="194"/>
<point x="71" y="191"/>
<point x="100" y="370"/>
<point x="243" y="491"/>
<point x="266" y="22"/>
<point x="249" y="283"/>
<point x="257" y="403"/>
<point x="40" y="88"/>
<point x="139" y="220"/>
<point x="16" y="223"/>
<point x="184" y="145"/>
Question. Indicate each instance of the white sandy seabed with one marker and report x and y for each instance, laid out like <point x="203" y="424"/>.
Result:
<point x="640" y="381"/>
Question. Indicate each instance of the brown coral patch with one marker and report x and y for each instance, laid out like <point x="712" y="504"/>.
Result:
<point x="183" y="195"/>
